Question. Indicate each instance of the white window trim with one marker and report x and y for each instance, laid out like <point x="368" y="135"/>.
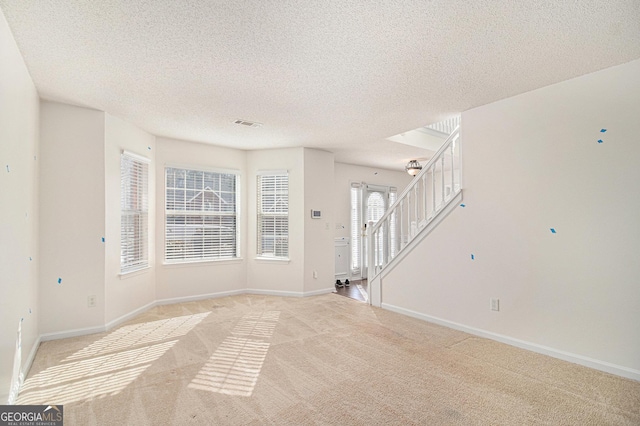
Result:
<point x="144" y="263"/>
<point x="262" y="259"/>
<point x="134" y="273"/>
<point x="136" y="157"/>
<point x="272" y="172"/>
<point x="259" y="256"/>
<point x="208" y="262"/>
<point x="195" y="262"/>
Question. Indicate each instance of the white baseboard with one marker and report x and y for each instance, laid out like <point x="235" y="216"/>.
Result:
<point x="72" y="333"/>
<point x="126" y="317"/>
<point x="24" y="370"/>
<point x="173" y="300"/>
<point x="319" y="292"/>
<point x="114" y="323"/>
<point x="289" y="293"/>
<point x="32" y="355"/>
<point x="607" y="367"/>
<point x="273" y="292"/>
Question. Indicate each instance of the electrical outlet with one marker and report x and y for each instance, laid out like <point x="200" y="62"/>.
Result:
<point x="91" y="301"/>
<point x="494" y="304"/>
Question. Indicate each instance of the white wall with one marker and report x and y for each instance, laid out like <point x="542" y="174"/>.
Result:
<point x="19" y="109"/>
<point x="125" y="293"/>
<point x="318" y="233"/>
<point x="203" y="278"/>
<point x="531" y="163"/>
<point x="277" y="276"/>
<point x="72" y="217"/>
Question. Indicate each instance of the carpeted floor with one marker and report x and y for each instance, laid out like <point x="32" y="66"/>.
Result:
<point x="318" y="360"/>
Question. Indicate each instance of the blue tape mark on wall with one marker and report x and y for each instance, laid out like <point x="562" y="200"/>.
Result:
<point x="59" y="280"/>
<point x="553" y="230"/>
<point x="472" y="256"/>
<point x="8" y="168"/>
<point x="603" y="130"/>
<point x="600" y="141"/>
<point x="103" y="239"/>
<point x="149" y="148"/>
<point x="30" y="259"/>
<point x="463" y="205"/>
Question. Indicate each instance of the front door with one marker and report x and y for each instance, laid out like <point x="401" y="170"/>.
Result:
<point x="374" y="205"/>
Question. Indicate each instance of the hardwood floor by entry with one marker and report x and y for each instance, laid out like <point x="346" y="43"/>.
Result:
<point x="357" y="290"/>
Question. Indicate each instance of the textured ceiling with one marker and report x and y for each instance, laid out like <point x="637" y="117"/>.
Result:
<point x="336" y="75"/>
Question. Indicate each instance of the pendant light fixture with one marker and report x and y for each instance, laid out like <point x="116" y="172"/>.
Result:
<point x="413" y="167"/>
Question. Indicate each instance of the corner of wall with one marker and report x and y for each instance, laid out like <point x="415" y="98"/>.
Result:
<point x="19" y="214"/>
<point x="319" y="268"/>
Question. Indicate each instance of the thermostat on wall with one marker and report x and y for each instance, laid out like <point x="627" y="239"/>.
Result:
<point x="316" y="214"/>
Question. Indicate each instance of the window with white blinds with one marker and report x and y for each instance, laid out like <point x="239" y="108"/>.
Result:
<point x="201" y="215"/>
<point x="273" y="215"/>
<point x="134" y="212"/>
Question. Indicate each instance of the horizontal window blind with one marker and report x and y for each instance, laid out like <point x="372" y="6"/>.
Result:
<point x="201" y="215"/>
<point x="273" y="215"/>
<point x="134" y="213"/>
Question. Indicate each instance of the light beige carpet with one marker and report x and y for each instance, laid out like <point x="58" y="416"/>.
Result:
<point x="319" y="360"/>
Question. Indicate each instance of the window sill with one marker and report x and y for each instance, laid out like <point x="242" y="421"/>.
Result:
<point x="135" y="273"/>
<point x="272" y="259"/>
<point x="202" y="263"/>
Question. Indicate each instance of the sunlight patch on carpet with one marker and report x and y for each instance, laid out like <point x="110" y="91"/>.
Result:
<point x="141" y="334"/>
<point x="235" y="366"/>
<point x="108" y="365"/>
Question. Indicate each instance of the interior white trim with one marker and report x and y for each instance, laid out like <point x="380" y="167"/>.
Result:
<point x="114" y="323"/>
<point x="134" y="273"/>
<point x="271" y="172"/>
<point x="274" y="292"/>
<point x="135" y="156"/>
<point x="28" y="362"/>
<point x="207" y="262"/>
<point x="273" y="259"/>
<point x="318" y="292"/>
<point x="607" y="367"/>
<point x="169" y="301"/>
<point x="72" y="333"/>
<point x="451" y="206"/>
<point x="173" y="300"/>
<point x="200" y="168"/>
<point x="288" y="293"/>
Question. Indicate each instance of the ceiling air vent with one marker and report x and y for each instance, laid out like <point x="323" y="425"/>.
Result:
<point x="247" y="123"/>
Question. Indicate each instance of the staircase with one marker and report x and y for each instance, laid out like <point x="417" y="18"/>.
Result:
<point x="431" y="196"/>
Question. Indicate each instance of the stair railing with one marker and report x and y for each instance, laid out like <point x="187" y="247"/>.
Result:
<point x="420" y="203"/>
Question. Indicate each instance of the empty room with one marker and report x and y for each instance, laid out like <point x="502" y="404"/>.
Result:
<point x="296" y="213"/>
